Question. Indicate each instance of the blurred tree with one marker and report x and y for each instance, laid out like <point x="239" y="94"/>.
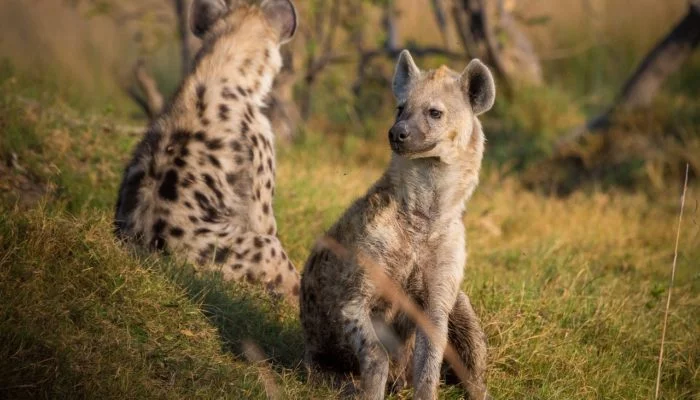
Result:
<point x="667" y="57"/>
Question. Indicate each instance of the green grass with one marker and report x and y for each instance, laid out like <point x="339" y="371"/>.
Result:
<point x="571" y="291"/>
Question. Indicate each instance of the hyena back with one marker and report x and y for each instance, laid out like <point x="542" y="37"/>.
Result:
<point x="410" y="224"/>
<point x="201" y="182"/>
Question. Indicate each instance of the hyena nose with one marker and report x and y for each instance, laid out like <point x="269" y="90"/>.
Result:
<point x="399" y="133"/>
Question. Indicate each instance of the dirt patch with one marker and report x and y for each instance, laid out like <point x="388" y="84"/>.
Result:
<point x="17" y="186"/>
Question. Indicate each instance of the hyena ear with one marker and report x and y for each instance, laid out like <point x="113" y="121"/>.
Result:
<point x="283" y="17"/>
<point x="478" y="85"/>
<point x="204" y="14"/>
<point x="405" y="75"/>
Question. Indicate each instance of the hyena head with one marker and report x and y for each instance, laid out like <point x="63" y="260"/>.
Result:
<point x="211" y="18"/>
<point x="437" y="108"/>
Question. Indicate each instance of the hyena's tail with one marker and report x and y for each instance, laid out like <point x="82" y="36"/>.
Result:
<point x="469" y="340"/>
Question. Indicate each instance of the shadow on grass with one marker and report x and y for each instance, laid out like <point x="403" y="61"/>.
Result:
<point x="243" y="313"/>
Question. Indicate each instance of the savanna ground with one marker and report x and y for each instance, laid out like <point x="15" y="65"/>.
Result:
<point x="571" y="290"/>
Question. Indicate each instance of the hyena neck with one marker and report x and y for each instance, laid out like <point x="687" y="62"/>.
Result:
<point x="232" y="69"/>
<point x="428" y="187"/>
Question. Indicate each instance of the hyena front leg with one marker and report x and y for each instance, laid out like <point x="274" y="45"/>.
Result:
<point x="254" y="258"/>
<point x="469" y="340"/>
<point x="427" y="356"/>
<point x="442" y="288"/>
<point x="373" y="359"/>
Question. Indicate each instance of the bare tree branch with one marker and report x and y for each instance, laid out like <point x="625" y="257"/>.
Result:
<point x="638" y="92"/>
<point x="152" y="103"/>
<point x="441" y="19"/>
<point x="183" y="31"/>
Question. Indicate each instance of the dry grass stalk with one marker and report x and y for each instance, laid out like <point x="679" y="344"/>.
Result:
<point x="670" y="287"/>
<point x="254" y="354"/>
<point x="396" y="296"/>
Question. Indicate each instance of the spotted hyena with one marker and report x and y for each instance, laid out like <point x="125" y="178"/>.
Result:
<point x="201" y="182"/>
<point x="410" y="224"/>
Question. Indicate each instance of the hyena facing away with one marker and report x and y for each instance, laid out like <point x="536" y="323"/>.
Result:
<point x="201" y="182"/>
<point x="410" y="224"/>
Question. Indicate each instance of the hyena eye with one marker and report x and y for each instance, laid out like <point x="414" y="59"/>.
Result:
<point x="399" y="111"/>
<point x="435" y="114"/>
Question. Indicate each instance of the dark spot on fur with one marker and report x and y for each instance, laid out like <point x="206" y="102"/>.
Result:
<point x="257" y="257"/>
<point x="260" y="169"/>
<point x="202" y="231"/>
<point x="214" y="161"/>
<point x="257" y="242"/>
<point x="209" y="181"/>
<point x="200" y="136"/>
<point x="231" y="178"/>
<point x="237" y="266"/>
<point x="210" y="213"/>
<point x="249" y="113"/>
<point x="239" y="240"/>
<point x="251" y="154"/>
<point x="168" y="188"/>
<point x="295" y="290"/>
<point x="284" y="255"/>
<point x="238" y="159"/>
<point x="228" y="94"/>
<point x="273" y="253"/>
<point x="278" y="279"/>
<point x="215" y="144"/>
<point x="193" y="219"/>
<point x="250" y="277"/>
<point x="240" y="256"/>
<point x="255" y="141"/>
<point x="201" y="105"/>
<point x="245" y="128"/>
<point x="271" y="230"/>
<point x="241" y="91"/>
<point x="224" y="112"/>
<point x="176" y="232"/>
<point x="269" y="163"/>
<point x="205" y="121"/>
<point x="222" y="255"/>
<point x="179" y="162"/>
<point x="290" y="266"/>
<point x="236" y="146"/>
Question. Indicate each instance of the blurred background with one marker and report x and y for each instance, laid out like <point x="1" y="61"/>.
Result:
<point x="570" y="232"/>
<point x="558" y="64"/>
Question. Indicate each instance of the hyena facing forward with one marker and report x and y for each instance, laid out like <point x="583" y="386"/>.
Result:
<point x="201" y="182"/>
<point x="410" y="223"/>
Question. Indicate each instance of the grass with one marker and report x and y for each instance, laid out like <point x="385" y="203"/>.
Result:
<point x="570" y="290"/>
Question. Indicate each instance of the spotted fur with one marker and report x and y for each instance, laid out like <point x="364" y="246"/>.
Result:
<point x="410" y="224"/>
<point x="201" y="182"/>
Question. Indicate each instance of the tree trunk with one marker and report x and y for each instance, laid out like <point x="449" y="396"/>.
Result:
<point x="639" y="91"/>
<point x="183" y="31"/>
<point x="665" y="59"/>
